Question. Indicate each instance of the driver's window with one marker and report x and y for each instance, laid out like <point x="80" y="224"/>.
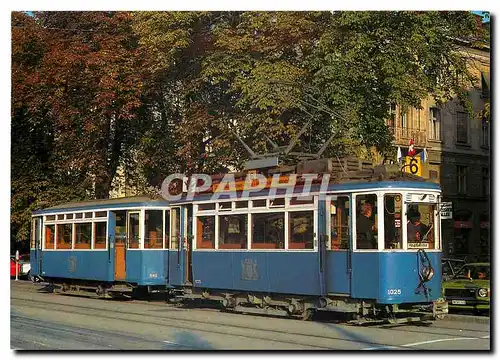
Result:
<point x="392" y="221"/>
<point x="366" y="221"/>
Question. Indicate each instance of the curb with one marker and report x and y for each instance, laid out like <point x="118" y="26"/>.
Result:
<point x="468" y="318"/>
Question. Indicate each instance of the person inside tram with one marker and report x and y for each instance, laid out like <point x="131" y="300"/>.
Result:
<point x="365" y="228"/>
<point x="416" y="229"/>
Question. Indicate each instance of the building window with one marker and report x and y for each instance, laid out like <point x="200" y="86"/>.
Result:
<point x="404" y="123"/>
<point x="434" y="124"/>
<point x="486" y="181"/>
<point x="462" y="179"/>
<point x="268" y="231"/>
<point x="233" y="231"/>
<point x="301" y="230"/>
<point x="83" y="235"/>
<point x="154" y="229"/>
<point x="462" y="128"/>
<point x="392" y="116"/>
<point x="485" y="133"/>
<point x="417" y="119"/>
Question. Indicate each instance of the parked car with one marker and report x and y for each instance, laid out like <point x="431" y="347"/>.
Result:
<point x="469" y="288"/>
<point x="24" y="266"/>
<point x="13" y="267"/>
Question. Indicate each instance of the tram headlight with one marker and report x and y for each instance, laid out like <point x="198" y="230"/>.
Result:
<point x="482" y="292"/>
<point x="427" y="273"/>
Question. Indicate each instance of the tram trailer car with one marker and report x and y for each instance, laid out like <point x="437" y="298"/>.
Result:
<point x="110" y="247"/>
<point x="279" y="255"/>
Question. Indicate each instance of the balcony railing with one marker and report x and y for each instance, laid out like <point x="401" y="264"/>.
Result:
<point x="402" y="136"/>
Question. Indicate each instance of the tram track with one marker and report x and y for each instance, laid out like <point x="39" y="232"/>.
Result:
<point x="315" y="338"/>
<point x="189" y="324"/>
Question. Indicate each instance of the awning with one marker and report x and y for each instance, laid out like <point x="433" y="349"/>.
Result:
<point x="462" y="224"/>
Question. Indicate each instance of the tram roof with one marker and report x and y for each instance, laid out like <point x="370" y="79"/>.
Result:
<point x="334" y="187"/>
<point x="147" y="201"/>
<point x="130" y="201"/>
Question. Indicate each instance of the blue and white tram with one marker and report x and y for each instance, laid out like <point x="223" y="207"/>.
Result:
<point x="370" y="249"/>
<point x="292" y="255"/>
<point x="110" y="246"/>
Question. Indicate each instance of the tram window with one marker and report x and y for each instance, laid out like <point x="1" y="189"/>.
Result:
<point x="366" y="222"/>
<point x="101" y="214"/>
<point x="392" y="221"/>
<point x="60" y="217"/>
<point x="233" y="231"/>
<point x="268" y="231"/>
<point x="121" y="227"/>
<point x="69" y="216"/>
<point x="154" y="229"/>
<point x="339" y="223"/>
<point x="88" y="215"/>
<point x="49" y="236"/>
<point x="205" y="232"/>
<point x="277" y="202"/>
<point x="78" y="215"/>
<point x="259" y="203"/>
<point x="50" y="218"/>
<point x="100" y="235"/>
<point x="167" y="228"/>
<point x="83" y="235"/>
<point x="241" y="204"/>
<point x="133" y="230"/>
<point x="296" y="201"/>
<point x="420" y="226"/>
<point x="206" y="207"/>
<point x="225" y="206"/>
<point x="64" y="236"/>
<point x="300" y="230"/>
<point x="176" y="227"/>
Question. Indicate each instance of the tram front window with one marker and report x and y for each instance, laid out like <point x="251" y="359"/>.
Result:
<point x="420" y="226"/>
<point x="392" y="221"/>
<point x="366" y="221"/>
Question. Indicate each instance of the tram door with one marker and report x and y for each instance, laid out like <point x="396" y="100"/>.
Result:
<point x="36" y="256"/>
<point x="111" y="245"/>
<point x="176" y="260"/>
<point x="338" y="240"/>
<point x="188" y="247"/>
<point x="120" y="244"/>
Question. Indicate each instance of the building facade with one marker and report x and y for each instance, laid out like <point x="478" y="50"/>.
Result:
<point x="458" y="158"/>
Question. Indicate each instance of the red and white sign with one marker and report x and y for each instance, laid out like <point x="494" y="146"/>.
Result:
<point x="411" y="149"/>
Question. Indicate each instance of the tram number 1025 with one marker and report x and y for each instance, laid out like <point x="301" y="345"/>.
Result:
<point x="394" y="291"/>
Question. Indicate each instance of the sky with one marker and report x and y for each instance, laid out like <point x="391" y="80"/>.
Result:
<point x="485" y="18"/>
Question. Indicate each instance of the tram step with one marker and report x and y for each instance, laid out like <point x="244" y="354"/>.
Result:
<point x="251" y="310"/>
<point x="121" y="288"/>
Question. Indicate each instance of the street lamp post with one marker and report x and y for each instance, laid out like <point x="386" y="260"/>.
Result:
<point x="17" y="265"/>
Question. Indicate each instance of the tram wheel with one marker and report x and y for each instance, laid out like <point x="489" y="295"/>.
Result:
<point x="307" y="314"/>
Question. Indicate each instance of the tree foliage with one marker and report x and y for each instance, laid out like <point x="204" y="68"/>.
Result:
<point x="161" y="92"/>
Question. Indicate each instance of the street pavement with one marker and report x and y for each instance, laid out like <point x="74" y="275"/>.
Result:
<point x="46" y="321"/>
